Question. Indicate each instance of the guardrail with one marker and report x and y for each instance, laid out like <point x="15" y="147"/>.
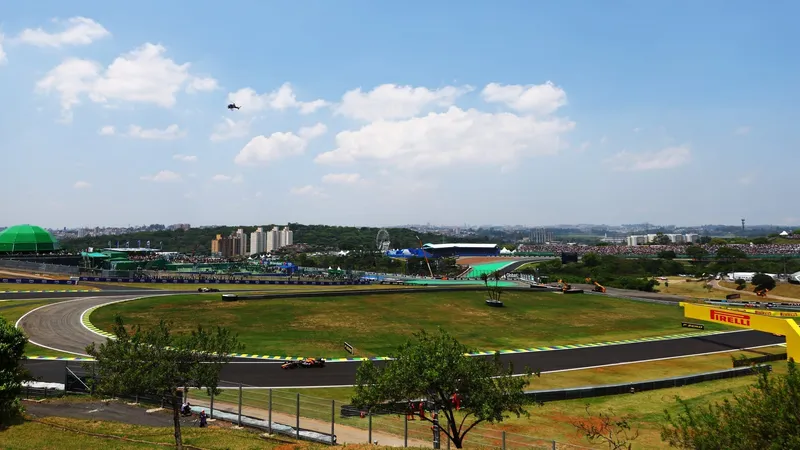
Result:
<point x="640" y="386"/>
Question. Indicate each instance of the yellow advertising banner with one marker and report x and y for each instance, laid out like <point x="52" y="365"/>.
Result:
<point x="747" y="319"/>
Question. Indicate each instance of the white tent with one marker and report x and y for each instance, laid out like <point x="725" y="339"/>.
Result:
<point x="784" y="233"/>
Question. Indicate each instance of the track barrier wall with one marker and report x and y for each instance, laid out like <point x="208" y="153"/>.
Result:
<point x="183" y="281"/>
<point x="38" y="267"/>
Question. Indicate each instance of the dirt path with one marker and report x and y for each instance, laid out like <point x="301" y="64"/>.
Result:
<point x="12" y="274"/>
<point x="715" y="284"/>
<point x="344" y="434"/>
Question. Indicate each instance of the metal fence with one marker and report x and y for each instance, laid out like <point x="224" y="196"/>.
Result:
<point x="306" y="417"/>
<point x="38" y="267"/>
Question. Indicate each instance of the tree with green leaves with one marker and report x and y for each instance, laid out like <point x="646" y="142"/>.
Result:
<point x="155" y="361"/>
<point x="762" y="281"/>
<point x="12" y="374"/>
<point x="767" y="416"/>
<point x="434" y="367"/>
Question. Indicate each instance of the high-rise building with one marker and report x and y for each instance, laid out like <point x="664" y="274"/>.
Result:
<point x="240" y="247"/>
<point x="233" y="245"/>
<point x="277" y="238"/>
<point x="258" y="241"/>
<point x="287" y="236"/>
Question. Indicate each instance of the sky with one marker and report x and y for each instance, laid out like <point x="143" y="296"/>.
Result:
<point x="382" y="113"/>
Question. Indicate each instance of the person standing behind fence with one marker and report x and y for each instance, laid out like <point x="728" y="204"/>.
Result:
<point x="202" y="419"/>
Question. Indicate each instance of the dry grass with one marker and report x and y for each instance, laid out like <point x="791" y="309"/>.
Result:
<point x="43" y="287"/>
<point x="782" y="290"/>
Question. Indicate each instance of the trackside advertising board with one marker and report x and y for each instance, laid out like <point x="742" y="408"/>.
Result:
<point x="780" y="326"/>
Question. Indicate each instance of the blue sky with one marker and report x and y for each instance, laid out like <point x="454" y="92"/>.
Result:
<point x="379" y="113"/>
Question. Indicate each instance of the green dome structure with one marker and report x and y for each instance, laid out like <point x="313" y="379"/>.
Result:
<point x="27" y="239"/>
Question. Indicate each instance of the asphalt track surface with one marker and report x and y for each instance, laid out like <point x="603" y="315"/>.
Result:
<point x="270" y="374"/>
<point x="59" y="326"/>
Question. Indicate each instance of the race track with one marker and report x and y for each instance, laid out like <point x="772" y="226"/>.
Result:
<point x="58" y="326"/>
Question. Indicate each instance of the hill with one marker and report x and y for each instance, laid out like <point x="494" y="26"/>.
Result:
<point x="198" y="240"/>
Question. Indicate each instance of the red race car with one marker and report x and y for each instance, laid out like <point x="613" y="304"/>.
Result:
<point x="305" y="363"/>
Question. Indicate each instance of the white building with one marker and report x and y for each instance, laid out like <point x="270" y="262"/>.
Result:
<point x="642" y="239"/>
<point x="258" y="241"/>
<point x="287" y="237"/>
<point x="277" y="238"/>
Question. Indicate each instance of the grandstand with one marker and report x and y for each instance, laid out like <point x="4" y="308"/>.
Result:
<point x="457" y="250"/>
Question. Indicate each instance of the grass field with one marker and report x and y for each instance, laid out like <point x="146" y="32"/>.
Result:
<point x="782" y="289"/>
<point x="378" y="324"/>
<point x="690" y="288"/>
<point x="69" y="434"/>
<point x="553" y="420"/>
<point x="43" y="287"/>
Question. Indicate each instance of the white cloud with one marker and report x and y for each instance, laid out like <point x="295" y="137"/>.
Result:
<point x="231" y="129"/>
<point x="202" y="84"/>
<point x="308" y="191"/>
<point x="185" y="158"/>
<point x="225" y="178"/>
<point x="165" y="176"/>
<point x="3" y="56"/>
<point x="81" y="185"/>
<point x="281" y="99"/>
<point x="466" y="137"/>
<point x="143" y="75"/>
<point x="342" y="178"/>
<point x="584" y="146"/>
<point x="77" y="31"/>
<point x="668" y="158"/>
<point x="390" y="101"/>
<point x="742" y="131"/>
<point x="532" y="98"/>
<point x="278" y="145"/>
<point x="107" y="130"/>
<point x="167" y="134"/>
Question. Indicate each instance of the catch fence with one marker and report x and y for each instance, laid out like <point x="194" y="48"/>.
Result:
<point x="307" y="417"/>
<point x="38" y="267"/>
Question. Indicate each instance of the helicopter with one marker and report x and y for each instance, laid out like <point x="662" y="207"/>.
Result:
<point x="233" y="106"/>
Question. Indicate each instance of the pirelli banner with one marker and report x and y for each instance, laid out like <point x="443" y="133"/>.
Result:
<point x="781" y="326"/>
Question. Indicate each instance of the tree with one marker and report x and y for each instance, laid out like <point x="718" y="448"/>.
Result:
<point x="763" y="281"/>
<point x="616" y="432"/>
<point x="740" y="283"/>
<point x="661" y="239"/>
<point x="591" y="260"/>
<point x="696" y="252"/>
<point x="767" y="416"/>
<point x="12" y="374"/>
<point x="667" y="254"/>
<point x="434" y="367"/>
<point x="154" y="361"/>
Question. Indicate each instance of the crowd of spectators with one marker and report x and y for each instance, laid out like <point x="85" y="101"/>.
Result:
<point x="650" y="250"/>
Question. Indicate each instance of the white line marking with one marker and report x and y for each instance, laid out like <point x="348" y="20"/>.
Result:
<point x="518" y="375"/>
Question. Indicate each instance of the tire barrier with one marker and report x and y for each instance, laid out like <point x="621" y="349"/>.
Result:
<point x="760" y="359"/>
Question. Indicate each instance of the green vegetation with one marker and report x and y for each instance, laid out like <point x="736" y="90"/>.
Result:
<point x="466" y="391"/>
<point x="378" y="324"/>
<point x="155" y="361"/>
<point x="52" y="433"/>
<point x="368" y="260"/>
<point x="12" y="374"/>
<point x="198" y="240"/>
<point x="764" y="417"/>
<point x="639" y="273"/>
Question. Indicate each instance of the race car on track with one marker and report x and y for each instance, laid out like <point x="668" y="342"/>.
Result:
<point x="305" y="363"/>
<point x="206" y="289"/>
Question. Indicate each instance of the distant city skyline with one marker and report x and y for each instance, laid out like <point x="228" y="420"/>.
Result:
<point x="515" y="113"/>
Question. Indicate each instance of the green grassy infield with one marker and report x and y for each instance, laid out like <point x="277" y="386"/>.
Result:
<point x="377" y="324"/>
